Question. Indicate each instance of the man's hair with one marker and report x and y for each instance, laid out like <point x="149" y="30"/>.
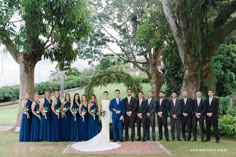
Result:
<point x="117" y="90"/>
<point x="105" y="92"/>
<point x="140" y="92"/>
<point x="129" y="89"/>
<point x="162" y="92"/>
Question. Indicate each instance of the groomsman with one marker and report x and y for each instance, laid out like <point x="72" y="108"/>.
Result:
<point x="141" y="116"/>
<point x="186" y="113"/>
<point x="175" y="115"/>
<point x="151" y="103"/>
<point x="212" y="107"/>
<point x="130" y="115"/>
<point x="199" y="113"/>
<point x="162" y="114"/>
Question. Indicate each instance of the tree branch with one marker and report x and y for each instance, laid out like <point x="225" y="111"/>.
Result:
<point x="10" y="46"/>
<point x="219" y="34"/>
<point x="224" y="14"/>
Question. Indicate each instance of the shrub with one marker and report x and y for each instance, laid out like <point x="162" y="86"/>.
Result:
<point x="11" y="93"/>
<point x="227" y="125"/>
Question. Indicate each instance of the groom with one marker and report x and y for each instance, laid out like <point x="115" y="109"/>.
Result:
<point x="118" y="111"/>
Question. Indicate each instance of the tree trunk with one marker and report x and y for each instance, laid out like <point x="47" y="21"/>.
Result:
<point x="26" y="83"/>
<point x="62" y="75"/>
<point x="155" y="78"/>
<point x="192" y="77"/>
<point x="156" y="84"/>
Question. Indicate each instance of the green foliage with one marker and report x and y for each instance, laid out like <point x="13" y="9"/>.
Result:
<point x="141" y="79"/>
<point x="48" y="28"/>
<point x="104" y="78"/>
<point x="225" y="69"/>
<point x="11" y="93"/>
<point x="227" y="125"/>
<point x="227" y="106"/>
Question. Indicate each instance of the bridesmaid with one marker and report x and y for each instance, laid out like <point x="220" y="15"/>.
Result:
<point x="74" y="122"/>
<point x="93" y="123"/>
<point x="26" y="119"/>
<point x="45" y="123"/>
<point x="66" y="117"/>
<point x="34" y="135"/>
<point x="83" y="109"/>
<point x="56" y="118"/>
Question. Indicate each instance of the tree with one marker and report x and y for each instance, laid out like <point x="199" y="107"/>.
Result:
<point x="130" y="29"/>
<point x="199" y="27"/>
<point x="30" y="29"/>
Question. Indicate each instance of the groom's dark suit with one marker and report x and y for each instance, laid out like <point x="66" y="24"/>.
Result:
<point x="117" y="106"/>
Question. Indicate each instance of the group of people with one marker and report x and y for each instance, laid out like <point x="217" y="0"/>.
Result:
<point x="184" y="113"/>
<point x="53" y="120"/>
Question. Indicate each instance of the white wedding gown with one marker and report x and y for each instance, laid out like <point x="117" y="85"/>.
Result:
<point x="101" y="142"/>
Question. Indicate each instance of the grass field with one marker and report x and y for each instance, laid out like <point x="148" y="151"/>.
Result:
<point x="10" y="147"/>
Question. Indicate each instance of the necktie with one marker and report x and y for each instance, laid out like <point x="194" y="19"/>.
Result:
<point x="174" y="102"/>
<point x="117" y="101"/>
<point x="129" y="100"/>
<point x="140" y="102"/>
<point x="185" y="100"/>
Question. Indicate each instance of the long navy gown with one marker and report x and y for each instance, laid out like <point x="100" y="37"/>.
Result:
<point x="45" y="123"/>
<point x="84" y="124"/>
<point x="74" y="124"/>
<point x="56" y="124"/>
<point x="34" y="133"/>
<point x="26" y="124"/>
<point x="65" y="130"/>
<point x="93" y="123"/>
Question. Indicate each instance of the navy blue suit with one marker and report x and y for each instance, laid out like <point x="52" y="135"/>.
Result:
<point x="116" y="117"/>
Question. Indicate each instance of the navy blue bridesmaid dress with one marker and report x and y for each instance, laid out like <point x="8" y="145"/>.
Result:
<point x="56" y="124"/>
<point x="45" y="123"/>
<point x="26" y="123"/>
<point x="93" y="123"/>
<point x="65" y="131"/>
<point x="34" y="133"/>
<point x="74" y="124"/>
<point x="84" y="124"/>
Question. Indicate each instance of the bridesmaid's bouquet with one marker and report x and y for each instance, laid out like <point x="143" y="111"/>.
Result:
<point x="102" y="113"/>
<point x="84" y="113"/>
<point x="64" y="110"/>
<point x="75" y="111"/>
<point x="26" y="110"/>
<point x="94" y="111"/>
<point x="58" y="110"/>
<point x="45" y="111"/>
<point x="38" y="112"/>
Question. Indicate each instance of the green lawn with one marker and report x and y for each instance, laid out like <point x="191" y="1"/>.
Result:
<point x="10" y="147"/>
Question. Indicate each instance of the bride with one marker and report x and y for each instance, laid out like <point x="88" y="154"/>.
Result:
<point x="101" y="142"/>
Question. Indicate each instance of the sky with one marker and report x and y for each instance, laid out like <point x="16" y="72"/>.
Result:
<point x="9" y="69"/>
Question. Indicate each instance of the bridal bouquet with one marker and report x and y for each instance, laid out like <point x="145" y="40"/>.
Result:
<point x="74" y="111"/>
<point x="102" y="113"/>
<point x="84" y="113"/>
<point x="45" y="111"/>
<point x="58" y="110"/>
<point x="26" y="110"/>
